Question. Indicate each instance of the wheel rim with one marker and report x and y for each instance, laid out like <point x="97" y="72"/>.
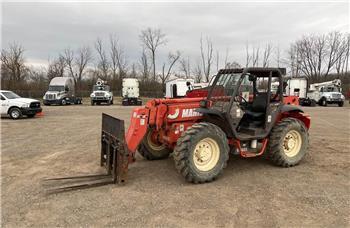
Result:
<point x="15" y="114"/>
<point x="206" y="154"/>
<point x="292" y="143"/>
<point x="151" y="138"/>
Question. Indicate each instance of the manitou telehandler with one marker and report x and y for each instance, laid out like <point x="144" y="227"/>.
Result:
<point x="240" y="115"/>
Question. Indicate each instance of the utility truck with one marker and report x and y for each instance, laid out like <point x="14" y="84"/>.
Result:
<point x="131" y="92"/>
<point x="61" y="92"/>
<point x="15" y="106"/>
<point x="239" y="116"/>
<point x="325" y="93"/>
<point x="101" y="93"/>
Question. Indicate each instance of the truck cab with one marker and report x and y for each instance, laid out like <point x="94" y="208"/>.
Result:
<point x="61" y="91"/>
<point x="15" y="106"/>
<point x="101" y="93"/>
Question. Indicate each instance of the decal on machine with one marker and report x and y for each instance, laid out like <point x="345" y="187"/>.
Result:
<point x="175" y="115"/>
<point x="190" y="113"/>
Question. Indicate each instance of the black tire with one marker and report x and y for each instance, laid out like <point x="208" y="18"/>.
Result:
<point x="185" y="149"/>
<point x="152" y="151"/>
<point x="15" y="113"/>
<point x="323" y="102"/>
<point x="92" y="103"/>
<point x="63" y="102"/>
<point x="276" y="146"/>
<point x="30" y="115"/>
<point x="341" y="104"/>
<point x="313" y="103"/>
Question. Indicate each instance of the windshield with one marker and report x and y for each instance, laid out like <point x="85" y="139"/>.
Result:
<point x="101" y="88"/>
<point x="225" y="84"/>
<point x="56" y="88"/>
<point x="10" y="95"/>
<point x="332" y="89"/>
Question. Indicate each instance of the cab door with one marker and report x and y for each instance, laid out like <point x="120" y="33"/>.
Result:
<point x="4" y="104"/>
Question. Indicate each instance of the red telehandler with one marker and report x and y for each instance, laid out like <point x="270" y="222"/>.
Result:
<point x="240" y="115"/>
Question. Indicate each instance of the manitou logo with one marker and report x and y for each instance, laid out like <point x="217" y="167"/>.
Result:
<point x="190" y="113"/>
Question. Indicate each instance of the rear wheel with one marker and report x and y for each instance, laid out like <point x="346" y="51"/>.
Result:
<point x="288" y="143"/>
<point x="151" y="148"/>
<point x="15" y="113"/>
<point x="201" y="153"/>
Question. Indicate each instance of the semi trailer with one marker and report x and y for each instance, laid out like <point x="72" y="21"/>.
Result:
<point x="131" y="92"/>
<point x="61" y="92"/>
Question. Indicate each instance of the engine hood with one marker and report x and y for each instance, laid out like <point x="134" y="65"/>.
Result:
<point x="24" y="100"/>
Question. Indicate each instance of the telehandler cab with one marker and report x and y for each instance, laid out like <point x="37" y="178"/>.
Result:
<point x="240" y="115"/>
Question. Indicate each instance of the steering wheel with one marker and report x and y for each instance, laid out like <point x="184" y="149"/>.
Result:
<point x="243" y="105"/>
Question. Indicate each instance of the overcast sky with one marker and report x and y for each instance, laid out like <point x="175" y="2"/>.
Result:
<point x="45" y="29"/>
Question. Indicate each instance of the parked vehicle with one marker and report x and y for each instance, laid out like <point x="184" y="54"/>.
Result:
<point x="131" y="92"/>
<point x="201" y="133"/>
<point x="101" y="93"/>
<point x="15" y="106"/>
<point x="325" y="93"/>
<point x="180" y="87"/>
<point x="61" y="92"/>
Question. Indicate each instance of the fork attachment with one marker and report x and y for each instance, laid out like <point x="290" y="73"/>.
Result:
<point x="114" y="157"/>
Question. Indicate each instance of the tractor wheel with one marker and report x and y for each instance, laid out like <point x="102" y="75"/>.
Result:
<point x="288" y="143"/>
<point x="151" y="149"/>
<point x="201" y="153"/>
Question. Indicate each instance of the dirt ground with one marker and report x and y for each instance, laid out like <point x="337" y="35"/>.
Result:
<point x="251" y="192"/>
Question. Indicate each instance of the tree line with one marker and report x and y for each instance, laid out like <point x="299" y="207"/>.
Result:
<point x="318" y="57"/>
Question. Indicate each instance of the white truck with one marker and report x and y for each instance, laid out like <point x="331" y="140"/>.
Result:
<point x="131" y="92"/>
<point x="62" y="92"/>
<point x="325" y="93"/>
<point x="15" y="106"/>
<point x="101" y="93"/>
<point x="178" y="87"/>
<point x="318" y="93"/>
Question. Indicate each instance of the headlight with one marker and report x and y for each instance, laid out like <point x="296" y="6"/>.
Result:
<point x="342" y="97"/>
<point x="107" y="95"/>
<point x="25" y="106"/>
<point x="92" y="95"/>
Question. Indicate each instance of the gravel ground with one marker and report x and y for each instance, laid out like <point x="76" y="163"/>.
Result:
<point x="251" y="192"/>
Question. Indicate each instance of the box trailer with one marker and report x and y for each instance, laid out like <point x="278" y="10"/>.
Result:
<point x="131" y="92"/>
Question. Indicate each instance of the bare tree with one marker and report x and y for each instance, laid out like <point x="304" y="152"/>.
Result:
<point x="103" y="63"/>
<point x="185" y="67"/>
<point x="232" y="65"/>
<point x="13" y="62"/>
<point x="56" y="67"/>
<point x="207" y="57"/>
<point x="145" y="68"/>
<point x="198" y="74"/>
<point x="248" y="57"/>
<point x="152" y="39"/>
<point x="217" y="60"/>
<point x="118" y="59"/>
<point x="172" y="59"/>
<point x="255" y="56"/>
<point x="226" y="57"/>
<point x="266" y="55"/>
<point x="69" y="59"/>
<point x="81" y="61"/>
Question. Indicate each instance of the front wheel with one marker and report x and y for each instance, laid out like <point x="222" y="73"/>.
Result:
<point x="151" y="148"/>
<point x="323" y="102"/>
<point x="288" y="143"/>
<point x="63" y="102"/>
<point x="15" y="113"/>
<point x="201" y="153"/>
<point x="341" y="104"/>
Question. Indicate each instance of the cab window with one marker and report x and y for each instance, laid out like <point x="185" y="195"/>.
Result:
<point x="2" y="98"/>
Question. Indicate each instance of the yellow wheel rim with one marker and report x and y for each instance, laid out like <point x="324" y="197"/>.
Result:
<point x="206" y="154"/>
<point x="154" y="146"/>
<point x="292" y="143"/>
